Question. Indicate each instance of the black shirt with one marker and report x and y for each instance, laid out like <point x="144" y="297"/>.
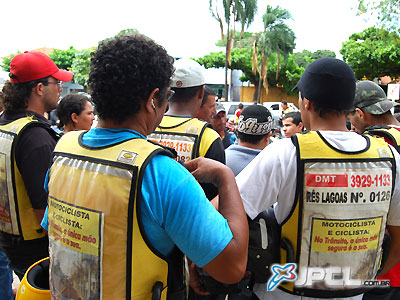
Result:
<point x="33" y="155"/>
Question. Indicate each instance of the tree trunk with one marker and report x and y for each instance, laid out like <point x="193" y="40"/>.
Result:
<point x="255" y="94"/>
<point x="278" y="66"/>
<point x="226" y="64"/>
<point x="259" y="86"/>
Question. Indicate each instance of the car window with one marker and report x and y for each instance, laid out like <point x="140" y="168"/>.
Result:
<point x="232" y="109"/>
<point x="275" y="106"/>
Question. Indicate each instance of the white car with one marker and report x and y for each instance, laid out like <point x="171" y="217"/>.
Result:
<point x="276" y="110"/>
<point x="231" y="107"/>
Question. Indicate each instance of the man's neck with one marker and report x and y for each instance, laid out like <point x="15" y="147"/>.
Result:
<point x="35" y="107"/>
<point x="128" y="124"/>
<point x="189" y="108"/>
<point x="258" y="146"/>
<point x="332" y="122"/>
<point x="384" y="120"/>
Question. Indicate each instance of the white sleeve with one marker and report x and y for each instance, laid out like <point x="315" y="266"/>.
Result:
<point x="394" y="210"/>
<point x="269" y="178"/>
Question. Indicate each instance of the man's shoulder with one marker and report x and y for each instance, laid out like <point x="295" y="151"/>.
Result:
<point x="211" y="133"/>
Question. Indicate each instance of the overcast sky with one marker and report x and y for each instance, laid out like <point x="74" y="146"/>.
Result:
<point x="184" y="27"/>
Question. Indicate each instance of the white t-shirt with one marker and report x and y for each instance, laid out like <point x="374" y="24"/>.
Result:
<point x="270" y="179"/>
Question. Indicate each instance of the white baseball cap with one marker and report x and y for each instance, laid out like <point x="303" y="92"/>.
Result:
<point x="188" y="73"/>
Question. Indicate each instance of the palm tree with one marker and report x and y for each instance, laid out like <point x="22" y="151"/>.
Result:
<point x="276" y="38"/>
<point x="242" y="11"/>
<point x="246" y="16"/>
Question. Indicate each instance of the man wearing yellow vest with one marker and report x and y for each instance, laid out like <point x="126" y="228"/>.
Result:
<point x="122" y="212"/>
<point x="26" y="143"/>
<point x="372" y="115"/>
<point x="179" y="129"/>
<point x="335" y="193"/>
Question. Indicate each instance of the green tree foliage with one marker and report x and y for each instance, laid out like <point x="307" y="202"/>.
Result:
<point x="63" y="58"/>
<point x="81" y="66"/>
<point x="373" y="53"/>
<point x="387" y="12"/>
<point x="277" y="38"/>
<point x="129" y="31"/>
<point x="289" y="73"/>
<point x="233" y="11"/>
<point x="6" y="62"/>
<point x="305" y="57"/>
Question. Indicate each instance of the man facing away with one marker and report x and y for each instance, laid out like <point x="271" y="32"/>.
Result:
<point x="179" y="129"/>
<point x="327" y="215"/>
<point x="253" y="131"/>
<point x="121" y="209"/>
<point x="207" y="108"/>
<point x="292" y="123"/>
<point x="372" y="115"/>
<point x="26" y="143"/>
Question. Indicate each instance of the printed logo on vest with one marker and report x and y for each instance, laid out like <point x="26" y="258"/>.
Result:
<point x="127" y="157"/>
<point x="191" y="129"/>
<point x="14" y="128"/>
<point x="383" y="152"/>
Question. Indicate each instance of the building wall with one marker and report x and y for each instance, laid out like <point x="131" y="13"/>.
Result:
<point x="275" y="94"/>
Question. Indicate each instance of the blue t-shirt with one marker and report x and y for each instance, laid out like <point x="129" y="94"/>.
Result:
<point x="175" y="210"/>
<point x="238" y="157"/>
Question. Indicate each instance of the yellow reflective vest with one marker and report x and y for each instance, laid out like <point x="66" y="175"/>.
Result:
<point x="391" y="134"/>
<point x="190" y="137"/>
<point x="17" y="216"/>
<point x="338" y="219"/>
<point x="97" y="244"/>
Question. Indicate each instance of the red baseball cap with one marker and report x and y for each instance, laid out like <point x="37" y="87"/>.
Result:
<point x="30" y="66"/>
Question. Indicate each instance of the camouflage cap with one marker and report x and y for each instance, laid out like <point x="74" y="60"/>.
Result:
<point x="371" y="98"/>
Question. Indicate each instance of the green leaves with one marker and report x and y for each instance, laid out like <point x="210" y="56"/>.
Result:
<point x="63" y="58"/>
<point x="373" y="53"/>
<point x="387" y="11"/>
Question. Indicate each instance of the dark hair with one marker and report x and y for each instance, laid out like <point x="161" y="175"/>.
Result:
<point x="240" y="105"/>
<point x="284" y="102"/>
<point x="124" y="71"/>
<point x="69" y="104"/>
<point x="322" y="111"/>
<point x="207" y="92"/>
<point x="295" y="115"/>
<point x="249" y="138"/>
<point x="185" y="94"/>
<point x="15" y="96"/>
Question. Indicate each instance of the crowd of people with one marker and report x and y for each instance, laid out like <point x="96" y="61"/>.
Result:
<point x="155" y="201"/>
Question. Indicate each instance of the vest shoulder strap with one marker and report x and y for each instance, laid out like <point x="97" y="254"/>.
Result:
<point x="388" y="132"/>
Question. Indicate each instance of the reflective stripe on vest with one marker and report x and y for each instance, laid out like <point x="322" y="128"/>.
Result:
<point x="97" y="244"/>
<point x="17" y="216"/>
<point x="182" y="134"/>
<point x="339" y="215"/>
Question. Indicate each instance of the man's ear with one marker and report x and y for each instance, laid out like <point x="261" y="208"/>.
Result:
<point x="200" y="93"/>
<point x="307" y="104"/>
<point x="300" y="126"/>
<point x="151" y="101"/>
<point x="39" y="89"/>
<point x="268" y="135"/>
<point x="360" y="113"/>
<point x="74" y="118"/>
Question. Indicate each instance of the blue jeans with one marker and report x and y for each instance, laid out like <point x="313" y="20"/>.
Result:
<point x="6" y="278"/>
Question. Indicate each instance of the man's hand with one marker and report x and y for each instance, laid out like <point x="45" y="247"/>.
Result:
<point x="194" y="281"/>
<point x="208" y="170"/>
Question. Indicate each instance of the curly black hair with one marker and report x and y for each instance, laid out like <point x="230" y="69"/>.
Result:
<point x="15" y="96"/>
<point x="124" y="71"/>
<point x="69" y="104"/>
